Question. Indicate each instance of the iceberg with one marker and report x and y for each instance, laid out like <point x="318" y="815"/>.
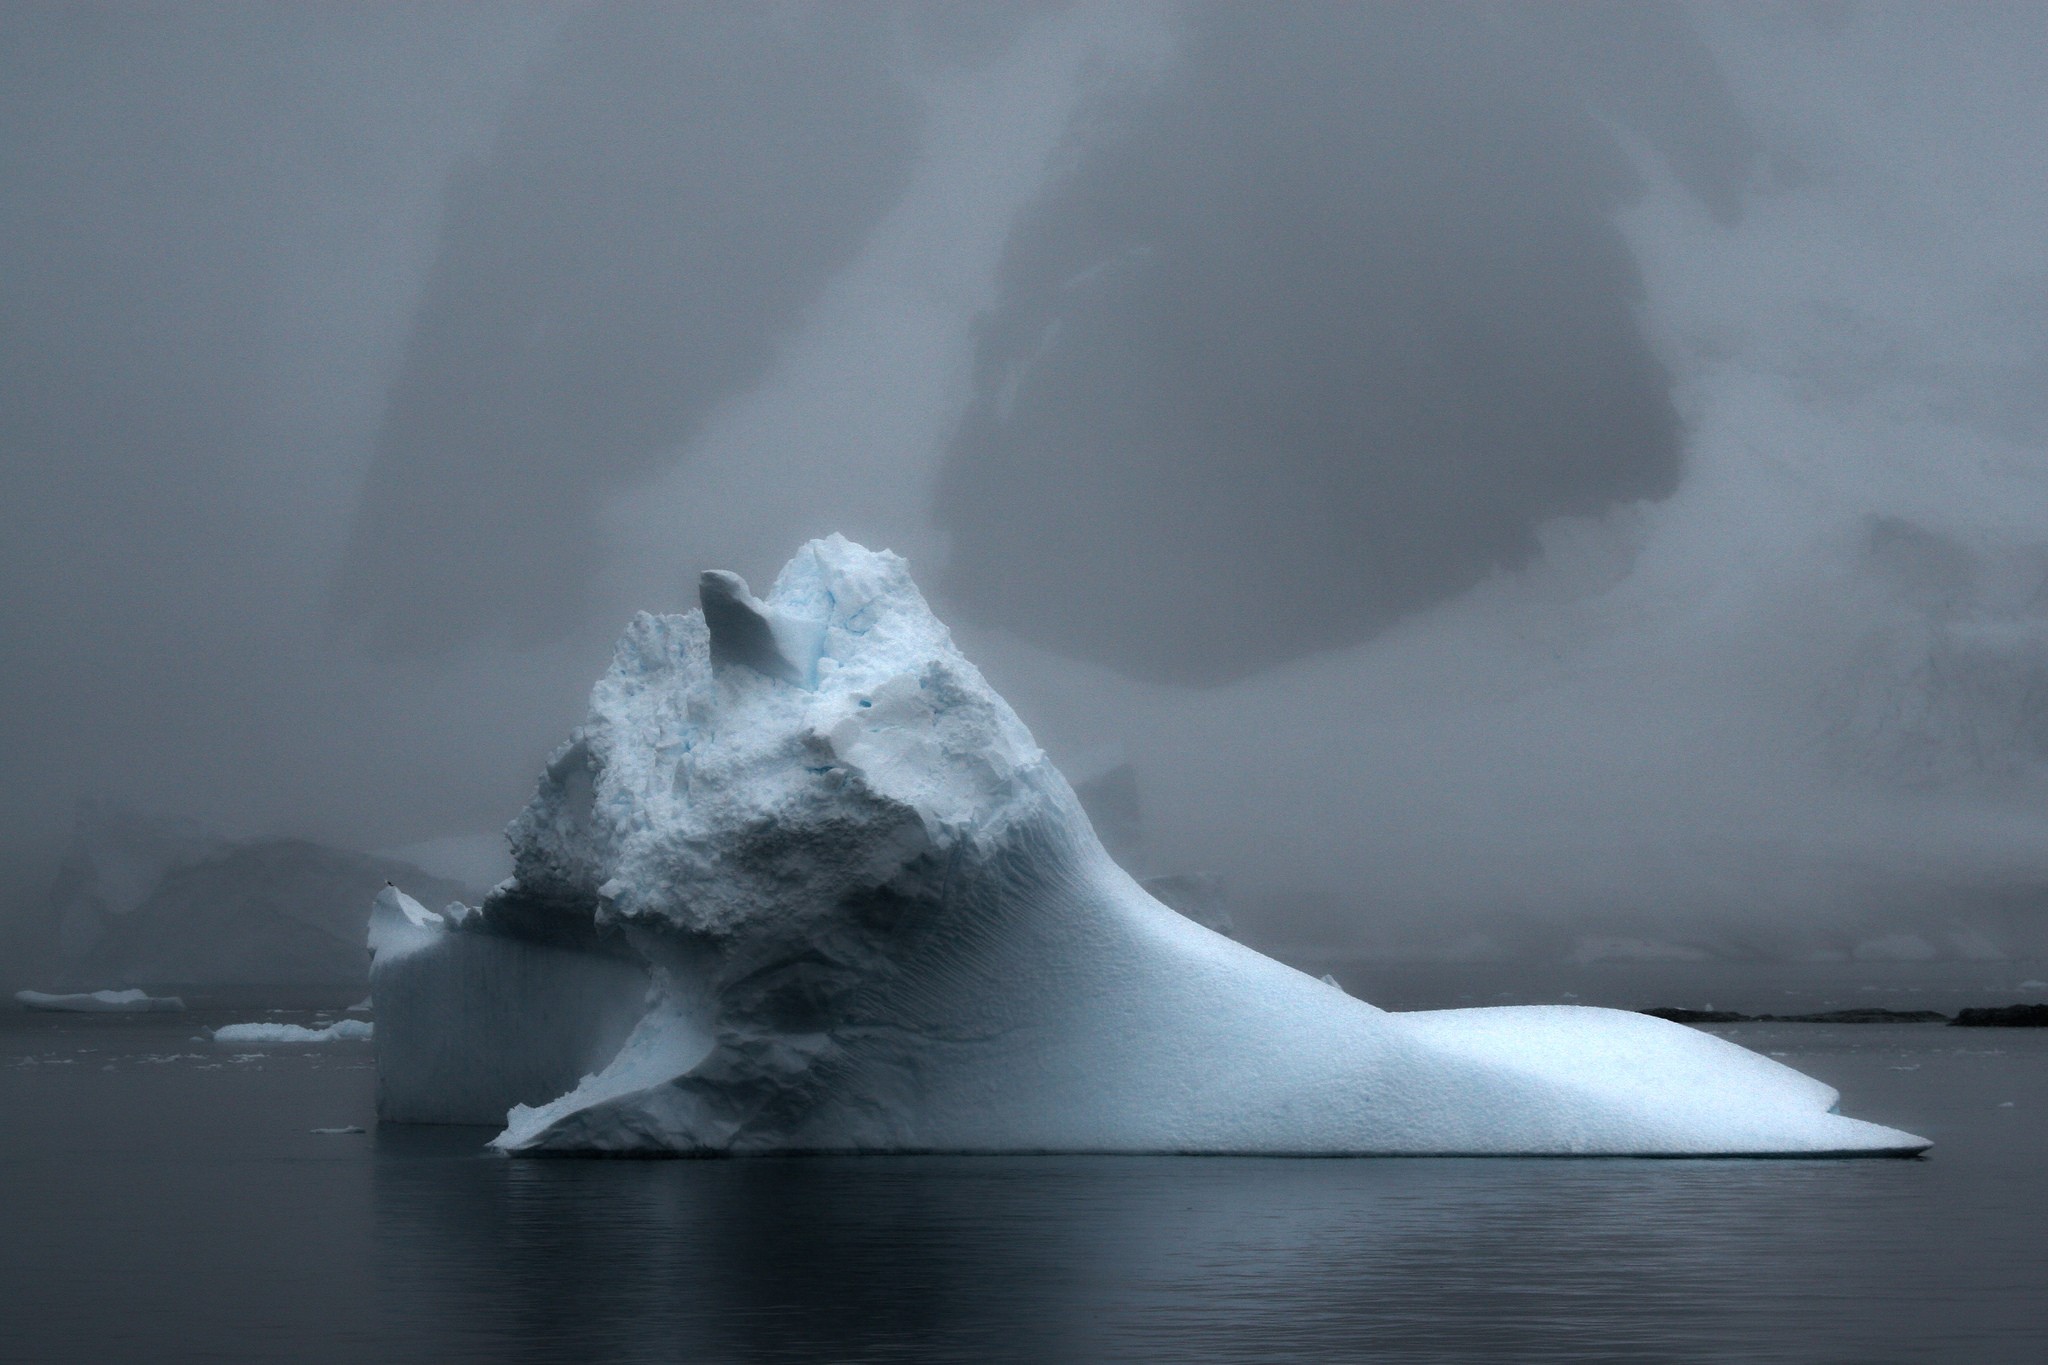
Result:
<point x="342" y="1031"/>
<point x="803" y="882"/>
<point x="101" y="1002"/>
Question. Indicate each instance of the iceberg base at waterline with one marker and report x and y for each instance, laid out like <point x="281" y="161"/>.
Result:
<point x="802" y="882"/>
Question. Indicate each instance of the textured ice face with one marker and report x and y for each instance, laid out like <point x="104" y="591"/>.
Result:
<point x="840" y="745"/>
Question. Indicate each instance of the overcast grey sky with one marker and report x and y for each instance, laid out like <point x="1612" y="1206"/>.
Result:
<point x="1355" y="416"/>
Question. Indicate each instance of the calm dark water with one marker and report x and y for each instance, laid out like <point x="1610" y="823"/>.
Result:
<point x="163" y="1201"/>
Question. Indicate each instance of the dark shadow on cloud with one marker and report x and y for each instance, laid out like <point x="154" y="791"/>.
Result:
<point x="1316" y="331"/>
<point x="1639" y="64"/>
<point x="672" y="187"/>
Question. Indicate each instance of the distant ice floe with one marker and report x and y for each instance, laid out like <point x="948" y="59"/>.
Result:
<point x="342" y="1031"/>
<point x="101" y="1002"/>
<point x="803" y="882"/>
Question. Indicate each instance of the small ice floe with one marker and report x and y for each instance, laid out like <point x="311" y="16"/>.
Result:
<point x="340" y="1132"/>
<point x="242" y="1035"/>
<point x="2006" y="1105"/>
<point x="2034" y="985"/>
<point x="100" y="1002"/>
<point x="361" y="1006"/>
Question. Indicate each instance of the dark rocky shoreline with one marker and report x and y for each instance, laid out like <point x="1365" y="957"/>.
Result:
<point x="1998" y="1016"/>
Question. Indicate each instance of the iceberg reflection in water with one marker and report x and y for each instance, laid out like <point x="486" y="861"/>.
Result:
<point x="169" y="1202"/>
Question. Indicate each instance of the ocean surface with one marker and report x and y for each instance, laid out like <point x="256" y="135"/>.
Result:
<point x="165" y="1200"/>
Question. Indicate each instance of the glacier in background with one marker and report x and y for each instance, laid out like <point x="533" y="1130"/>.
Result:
<point x="804" y="882"/>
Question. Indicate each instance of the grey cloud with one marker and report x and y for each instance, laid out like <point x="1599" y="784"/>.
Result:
<point x="1317" y="332"/>
<point x="669" y="190"/>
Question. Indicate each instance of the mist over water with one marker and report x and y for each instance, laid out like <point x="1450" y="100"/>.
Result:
<point x="1494" y="473"/>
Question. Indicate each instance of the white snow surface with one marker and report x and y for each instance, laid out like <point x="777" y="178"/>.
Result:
<point x="863" y="912"/>
<point x="101" y="1002"/>
<point x="342" y="1031"/>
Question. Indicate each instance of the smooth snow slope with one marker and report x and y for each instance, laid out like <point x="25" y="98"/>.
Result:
<point x="852" y="907"/>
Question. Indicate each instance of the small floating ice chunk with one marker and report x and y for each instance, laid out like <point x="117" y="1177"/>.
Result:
<point x="101" y="1002"/>
<point x="242" y="1035"/>
<point x="339" y="1132"/>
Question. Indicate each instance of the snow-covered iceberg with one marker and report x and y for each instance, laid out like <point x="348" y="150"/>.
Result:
<point x="100" y="1002"/>
<point x="341" y="1031"/>
<point x="804" y="882"/>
